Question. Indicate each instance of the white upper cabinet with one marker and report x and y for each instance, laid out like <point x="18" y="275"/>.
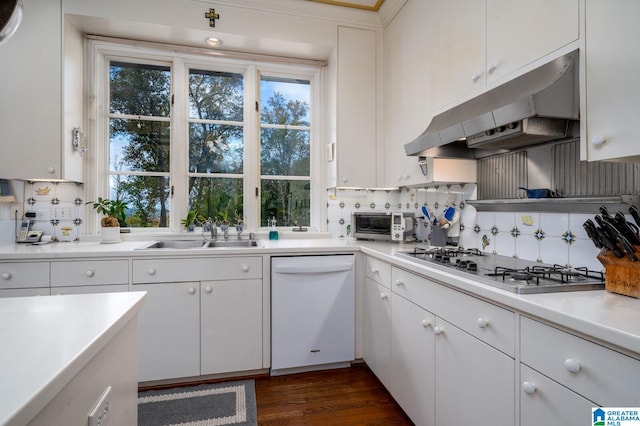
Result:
<point x="481" y="43"/>
<point x="356" y="135"/>
<point x="609" y="101"/>
<point x="407" y="105"/>
<point x="35" y="139"/>
<point x="459" y="54"/>
<point x="521" y="31"/>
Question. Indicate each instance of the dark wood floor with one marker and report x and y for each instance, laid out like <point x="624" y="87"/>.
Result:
<point x="346" y="396"/>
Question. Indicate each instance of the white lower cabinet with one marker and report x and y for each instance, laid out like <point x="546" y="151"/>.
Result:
<point x="199" y="327"/>
<point x="413" y="360"/>
<point x="376" y="330"/>
<point x="169" y="331"/>
<point x="545" y="402"/>
<point x="474" y="382"/>
<point x="231" y="326"/>
<point x="597" y="373"/>
<point x="446" y="365"/>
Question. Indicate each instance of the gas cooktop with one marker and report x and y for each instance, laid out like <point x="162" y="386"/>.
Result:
<point x="508" y="273"/>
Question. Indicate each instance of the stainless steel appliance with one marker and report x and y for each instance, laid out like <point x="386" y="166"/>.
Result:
<point x="383" y="226"/>
<point x="508" y="273"/>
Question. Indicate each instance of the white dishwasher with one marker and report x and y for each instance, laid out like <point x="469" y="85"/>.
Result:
<point x="312" y="312"/>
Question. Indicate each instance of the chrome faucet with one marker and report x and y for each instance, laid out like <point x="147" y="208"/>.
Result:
<point x="211" y="226"/>
<point x="225" y="230"/>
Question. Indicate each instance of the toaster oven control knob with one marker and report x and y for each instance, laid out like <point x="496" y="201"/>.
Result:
<point x="529" y="388"/>
<point x="572" y="365"/>
<point x="6" y="276"/>
<point x="482" y="323"/>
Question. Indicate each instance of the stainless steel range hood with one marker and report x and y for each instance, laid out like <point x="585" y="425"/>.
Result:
<point x="536" y="107"/>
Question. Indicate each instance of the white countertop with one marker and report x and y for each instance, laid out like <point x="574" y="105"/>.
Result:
<point x="603" y="316"/>
<point x="40" y="355"/>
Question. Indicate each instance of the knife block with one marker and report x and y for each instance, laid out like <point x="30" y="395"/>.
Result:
<point x="622" y="276"/>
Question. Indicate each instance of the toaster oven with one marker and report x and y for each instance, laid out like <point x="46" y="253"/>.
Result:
<point x="383" y="226"/>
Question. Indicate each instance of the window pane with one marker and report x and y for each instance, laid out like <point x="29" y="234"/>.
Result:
<point x="215" y="95"/>
<point x="287" y="200"/>
<point x="147" y="198"/>
<point x="215" y="148"/>
<point x="285" y="101"/>
<point x="138" y="145"/>
<point x="139" y="89"/>
<point x="216" y="198"/>
<point x="284" y="152"/>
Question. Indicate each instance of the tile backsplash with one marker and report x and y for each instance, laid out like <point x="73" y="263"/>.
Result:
<point x="555" y="238"/>
<point x="58" y="208"/>
<point x="546" y="237"/>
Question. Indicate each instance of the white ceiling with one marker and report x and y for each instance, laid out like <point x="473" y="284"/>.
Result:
<point x="357" y="4"/>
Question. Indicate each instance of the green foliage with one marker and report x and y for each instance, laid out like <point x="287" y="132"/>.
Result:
<point x="192" y="217"/>
<point x="111" y="209"/>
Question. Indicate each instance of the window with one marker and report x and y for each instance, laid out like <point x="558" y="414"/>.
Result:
<point x="231" y="139"/>
<point x="284" y="151"/>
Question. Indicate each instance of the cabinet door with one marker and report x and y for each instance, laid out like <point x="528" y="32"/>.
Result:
<point x="611" y="75"/>
<point x="231" y="326"/>
<point x="521" y="31"/>
<point x="475" y="382"/>
<point x="376" y="331"/>
<point x="545" y="402"/>
<point x="31" y="94"/>
<point x="356" y="108"/>
<point x="413" y="360"/>
<point x="459" y="50"/>
<point x="169" y="331"/>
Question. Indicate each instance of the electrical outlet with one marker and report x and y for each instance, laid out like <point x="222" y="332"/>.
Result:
<point x="101" y="412"/>
<point x="61" y="212"/>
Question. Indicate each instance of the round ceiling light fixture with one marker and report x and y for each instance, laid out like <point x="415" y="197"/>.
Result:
<point x="214" y="42"/>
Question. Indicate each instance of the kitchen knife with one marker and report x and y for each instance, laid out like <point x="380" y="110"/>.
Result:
<point x="604" y="212"/>
<point x="608" y="239"/>
<point x="592" y="233"/>
<point x="626" y="229"/>
<point x="634" y="214"/>
<point x="619" y="238"/>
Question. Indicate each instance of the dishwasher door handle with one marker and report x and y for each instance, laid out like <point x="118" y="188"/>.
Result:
<point x="312" y="269"/>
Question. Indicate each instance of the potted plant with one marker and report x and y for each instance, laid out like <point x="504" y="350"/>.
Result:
<point x="114" y="212"/>
<point x="189" y="222"/>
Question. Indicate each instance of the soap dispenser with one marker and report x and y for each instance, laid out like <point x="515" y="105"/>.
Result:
<point x="273" y="232"/>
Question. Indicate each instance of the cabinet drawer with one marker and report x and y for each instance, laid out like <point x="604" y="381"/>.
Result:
<point x="177" y="270"/>
<point x="602" y="375"/>
<point x="24" y="275"/>
<point x="379" y="271"/>
<point x="90" y="272"/>
<point x="490" y="323"/>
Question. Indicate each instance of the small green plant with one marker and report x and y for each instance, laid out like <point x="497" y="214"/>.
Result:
<point x="190" y="220"/>
<point x="114" y="211"/>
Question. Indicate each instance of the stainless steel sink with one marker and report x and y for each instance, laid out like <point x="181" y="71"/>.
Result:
<point x="176" y="244"/>
<point x="232" y="243"/>
<point x="199" y="244"/>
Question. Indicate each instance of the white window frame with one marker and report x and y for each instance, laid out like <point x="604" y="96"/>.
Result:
<point x="99" y="54"/>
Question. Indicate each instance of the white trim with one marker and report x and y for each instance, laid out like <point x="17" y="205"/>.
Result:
<point x="100" y="50"/>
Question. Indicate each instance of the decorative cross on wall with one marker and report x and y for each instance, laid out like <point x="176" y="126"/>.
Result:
<point x="211" y="15"/>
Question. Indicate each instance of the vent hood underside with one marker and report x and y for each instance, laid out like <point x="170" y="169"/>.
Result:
<point x="548" y="91"/>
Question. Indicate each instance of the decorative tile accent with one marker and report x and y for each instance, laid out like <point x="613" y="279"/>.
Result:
<point x="515" y="232"/>
<point x="539" y="234"/>
<point x="494" y="230"/>
<point x="568" y="237"/>
<point x="476" y="229"/>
